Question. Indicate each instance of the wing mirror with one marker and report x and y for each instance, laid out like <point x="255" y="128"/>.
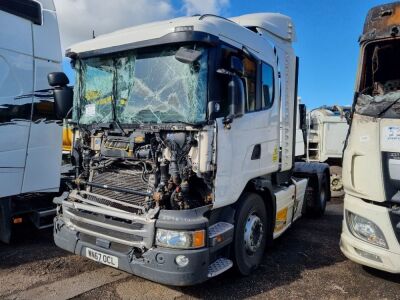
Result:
<point x="236" y="97"/>
<point x="63" y="94"/>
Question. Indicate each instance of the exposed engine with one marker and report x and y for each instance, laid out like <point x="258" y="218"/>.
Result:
<point x="142" y="170"/>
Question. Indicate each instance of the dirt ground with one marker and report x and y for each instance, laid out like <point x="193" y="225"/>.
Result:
<point x="304" y="263"/>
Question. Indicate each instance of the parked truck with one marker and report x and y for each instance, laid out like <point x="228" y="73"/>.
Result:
<point x="326" y="134"/>
<point x="371" y="172"/>
<point x="30" y="144"/>
<point x="185" y="153"/>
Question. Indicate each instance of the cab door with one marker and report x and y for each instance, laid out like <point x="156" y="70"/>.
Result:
<point x="16" y="88"/>
<point x="249" y="146"/>
<point x="43" y="163"/>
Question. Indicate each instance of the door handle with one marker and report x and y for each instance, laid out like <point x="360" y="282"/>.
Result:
<point x="256" y="152"/>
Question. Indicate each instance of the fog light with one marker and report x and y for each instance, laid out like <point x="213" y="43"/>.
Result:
<point x="368" y="255"/>
<point x="182" y="260"/>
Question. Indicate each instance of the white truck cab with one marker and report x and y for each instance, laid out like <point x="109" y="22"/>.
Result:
<point x="185" y="157"/>
<point x="30" y="156"/>
<point x="371" y="163"/>
<point x="326" y="136"/>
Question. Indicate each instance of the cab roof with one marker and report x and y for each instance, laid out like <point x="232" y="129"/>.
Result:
<point x="237" y="31"/>
<point x="382" y="21"/>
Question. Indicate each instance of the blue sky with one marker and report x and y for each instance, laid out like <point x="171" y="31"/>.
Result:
<point x="327" y="35"/>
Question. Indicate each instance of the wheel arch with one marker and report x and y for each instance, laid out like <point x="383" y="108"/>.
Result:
<point x="270" y="203"/>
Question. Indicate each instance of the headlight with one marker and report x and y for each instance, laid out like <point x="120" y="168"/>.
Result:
<point x="365" y="230"/>
<point x="180" y="239"/>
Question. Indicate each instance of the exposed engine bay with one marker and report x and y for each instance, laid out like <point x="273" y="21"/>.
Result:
<point x="139" y="171"/>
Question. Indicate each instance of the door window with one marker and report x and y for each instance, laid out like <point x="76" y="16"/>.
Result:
<point x="267" y="86"/>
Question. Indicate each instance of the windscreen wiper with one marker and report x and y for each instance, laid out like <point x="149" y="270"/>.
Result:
<point x="388" y="107"/>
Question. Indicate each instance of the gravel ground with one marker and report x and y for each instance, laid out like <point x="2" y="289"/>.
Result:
<point x="305" y="262"/>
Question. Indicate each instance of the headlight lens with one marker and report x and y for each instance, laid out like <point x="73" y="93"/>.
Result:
<point x="180" y="239"/>
<point x="365" y="230"/>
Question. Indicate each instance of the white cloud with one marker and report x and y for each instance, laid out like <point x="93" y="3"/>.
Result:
<point x="78" y="18"/>
<point x="204" y="6"/>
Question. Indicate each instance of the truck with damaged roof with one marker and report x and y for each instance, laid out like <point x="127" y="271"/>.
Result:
<point x="371" y="172"/>
<point x="184" y="147"/>
<point x="30" y="144"/>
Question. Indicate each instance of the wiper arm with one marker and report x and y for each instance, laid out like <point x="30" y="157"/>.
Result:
<point x="388" y="107"/>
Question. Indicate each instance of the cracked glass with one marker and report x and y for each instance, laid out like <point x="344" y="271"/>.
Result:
<point x="94" y="90"/>
<point x="142" y="88"/>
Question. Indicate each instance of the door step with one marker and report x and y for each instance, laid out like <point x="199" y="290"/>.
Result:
<point x="219" y="266"/>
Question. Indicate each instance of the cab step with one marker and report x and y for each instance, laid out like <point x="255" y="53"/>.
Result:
<point x="220" y="235"/>
<point x="219" y="266"/>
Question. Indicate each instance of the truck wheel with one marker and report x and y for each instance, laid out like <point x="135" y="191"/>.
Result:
<point x="336" y="182"/>
<point x="317" y="194"/>
<point x="250" y="233"/>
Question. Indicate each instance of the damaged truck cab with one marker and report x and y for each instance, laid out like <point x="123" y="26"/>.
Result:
<point x="184" y="147"/>
<point x="371" y="173"/>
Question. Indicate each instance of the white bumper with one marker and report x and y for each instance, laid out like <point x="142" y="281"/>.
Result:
<point x="357" y="250"/>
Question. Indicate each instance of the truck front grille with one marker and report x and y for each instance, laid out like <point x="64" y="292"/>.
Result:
<point x="121" y="178"/>
<point x="108" y="223"/>
<point x="109" y="232"/>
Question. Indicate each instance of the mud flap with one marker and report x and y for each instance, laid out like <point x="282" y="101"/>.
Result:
<point x="5" y="220"/>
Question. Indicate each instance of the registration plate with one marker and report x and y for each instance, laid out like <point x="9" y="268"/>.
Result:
<point x="103" y="258"/>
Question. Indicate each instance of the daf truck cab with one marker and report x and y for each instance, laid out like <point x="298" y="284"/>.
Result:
<point x="371" y="172"/>
<point x="184" y="151"/>
<point x="30" y="144"/>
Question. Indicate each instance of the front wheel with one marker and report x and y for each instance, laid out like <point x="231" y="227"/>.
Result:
<point x="250" y="233"/>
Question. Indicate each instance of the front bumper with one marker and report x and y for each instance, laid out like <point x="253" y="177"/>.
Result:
<point x="156" y="264"/>
<point x="365" y="253"/>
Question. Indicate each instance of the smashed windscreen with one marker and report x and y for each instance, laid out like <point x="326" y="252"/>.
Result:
<point x="142" y="88"/>
<point x="379" y="94"/>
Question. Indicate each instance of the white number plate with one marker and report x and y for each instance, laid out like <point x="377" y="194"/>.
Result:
<point x="106" y="259"/>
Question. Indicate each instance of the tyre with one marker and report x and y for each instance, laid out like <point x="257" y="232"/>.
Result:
<point x="317" y="194"/>
<point x="251" y="231"/>
<point x="336" y="182"/>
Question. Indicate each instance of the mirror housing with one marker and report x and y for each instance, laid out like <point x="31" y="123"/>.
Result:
<point x="63" y="94"/>
<point x="236" y="98"/>
<point x="57" y="79"/>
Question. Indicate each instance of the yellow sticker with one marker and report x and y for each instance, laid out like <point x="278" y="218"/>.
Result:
<point x="281" y="218"/>
<point x="275" y="155"/>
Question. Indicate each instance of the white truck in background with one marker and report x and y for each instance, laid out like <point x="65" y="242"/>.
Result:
<point x="30" y="144"/>
<point x="371" y="162"/>
<point x="326" y="134"/>
<point x="185" y="157"/>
